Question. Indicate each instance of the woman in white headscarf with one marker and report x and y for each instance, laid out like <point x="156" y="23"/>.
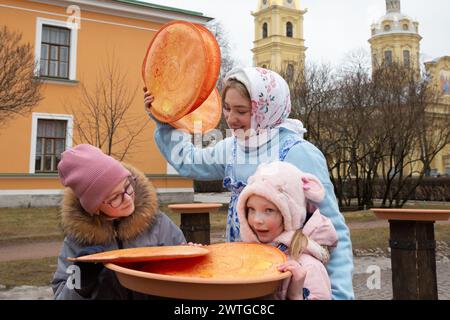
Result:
<point x="256" y="107"/>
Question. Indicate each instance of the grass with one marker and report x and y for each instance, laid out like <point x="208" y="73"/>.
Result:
<point x="364" y="239"/>
<point x="29" y="224"/>
<point x="37" y="272"/>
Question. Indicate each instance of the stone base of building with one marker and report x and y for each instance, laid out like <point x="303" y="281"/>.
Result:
<point x="52" y="198"/>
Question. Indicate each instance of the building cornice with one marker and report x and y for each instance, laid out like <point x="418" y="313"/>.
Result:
<point x="131" y="9"/>
<point x="395" y="36"/>
<point x="278" y="8"/>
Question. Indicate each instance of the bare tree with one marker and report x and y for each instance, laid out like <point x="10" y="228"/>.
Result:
<point x="19" y="90"/>
<point x="102" y="115"/>
<point x="379" y="133"/>
<point x="228" y="62"/>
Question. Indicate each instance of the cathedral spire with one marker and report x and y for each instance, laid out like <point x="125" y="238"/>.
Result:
<point x="393" y="6"/>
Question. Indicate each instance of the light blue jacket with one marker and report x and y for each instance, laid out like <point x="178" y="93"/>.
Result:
<point x="209" y="164"/>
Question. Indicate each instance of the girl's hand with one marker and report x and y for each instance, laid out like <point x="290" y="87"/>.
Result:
<point x="148" y="100"/>
<point x="195" y="244"/>
<point x="192" y="244"/>
<point x="295" y="290"/>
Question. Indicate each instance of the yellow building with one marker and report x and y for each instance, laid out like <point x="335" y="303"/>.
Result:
<point x="71" y="40"/>
<point x="396" y="39"/>
<point x="438" y="71"/>
<point x="279" y="42"/>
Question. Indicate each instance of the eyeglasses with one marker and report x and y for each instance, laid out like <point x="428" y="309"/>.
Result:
<point x="117" y="201"/>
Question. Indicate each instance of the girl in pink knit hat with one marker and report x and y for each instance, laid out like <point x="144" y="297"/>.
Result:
<point x="107" y="205"/>
<point x="272" y="210"/>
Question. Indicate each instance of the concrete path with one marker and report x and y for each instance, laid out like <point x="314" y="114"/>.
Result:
<point x="35" y="250"/>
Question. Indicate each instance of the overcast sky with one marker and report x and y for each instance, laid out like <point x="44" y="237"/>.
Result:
<point x="332" y="28"/>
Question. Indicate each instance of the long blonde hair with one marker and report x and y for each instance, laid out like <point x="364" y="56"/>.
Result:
<point x="298" y="245"/>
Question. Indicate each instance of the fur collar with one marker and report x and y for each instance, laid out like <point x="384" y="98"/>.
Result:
<point x="86" y="229"/>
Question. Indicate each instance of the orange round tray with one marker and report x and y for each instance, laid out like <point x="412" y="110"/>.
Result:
<point x="144" y="254"/>
<point x="180" y="69"/>
<point x="229" y="271"/>
<point x="213" y="56"/>
<point x="204" y="118"/>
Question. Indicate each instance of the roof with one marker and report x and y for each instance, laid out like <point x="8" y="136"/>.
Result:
<point x="157" y="6"/>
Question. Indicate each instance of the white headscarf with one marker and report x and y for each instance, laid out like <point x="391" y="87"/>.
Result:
<point x="271" y="103"/>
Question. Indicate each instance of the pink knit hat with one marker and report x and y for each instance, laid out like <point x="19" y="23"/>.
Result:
<point x="91" y="174"/>
<point x="286" y="187"/>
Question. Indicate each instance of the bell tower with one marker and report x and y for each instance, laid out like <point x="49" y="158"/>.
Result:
<point x="395" y="39"/>
<point x="279" y="42"/>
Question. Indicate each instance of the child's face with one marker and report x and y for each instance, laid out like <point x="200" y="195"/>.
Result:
<point x="120" y="202"/>
<point x="238" y="112"/>
<point x="264" y="218"/>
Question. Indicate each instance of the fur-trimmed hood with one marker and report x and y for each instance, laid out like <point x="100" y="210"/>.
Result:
<point x="87" y="229"/>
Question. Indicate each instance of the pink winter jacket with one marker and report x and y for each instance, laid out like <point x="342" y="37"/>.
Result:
<point x="319" y="229"/>
<point x="291" y="190"/>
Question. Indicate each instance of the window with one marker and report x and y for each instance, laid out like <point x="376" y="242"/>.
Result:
<point x="405" y="27"/>
<point x="290" y="71"/>
<point x="264" y="66"/>
<point x="51" y="134"/>
<point x="50" y="143"/>
<point x="406" y="58"/>
<point x="387" y="58"/>
<point x="264" y="30"/>
<point x="289" y="30"/>
<point x="55" y="48"/>
<point x="387" y="27"/>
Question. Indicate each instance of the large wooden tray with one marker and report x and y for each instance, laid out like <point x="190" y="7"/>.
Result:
<point x="180" y="69"/>
<point x="143" y="254"/>
<point x="229" y="271"/>
<point x="203" y="119"/>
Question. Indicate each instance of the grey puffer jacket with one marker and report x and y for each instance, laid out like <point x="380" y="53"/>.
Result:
<point x="147" y="226"/>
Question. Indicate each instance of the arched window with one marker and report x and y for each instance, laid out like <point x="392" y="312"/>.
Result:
<point x="388" y="58"/>
<point x="405" y="27"/>
<point x="289" y="32"/>
<point x="406" y="58"/>
<point x="264" y="66"/>
<point x="264" y="30"/>
<point x="290" y="71"/>
<point x="387" y="27"/>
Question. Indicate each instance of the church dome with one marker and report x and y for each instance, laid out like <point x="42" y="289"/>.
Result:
<point x="394" y="21"/>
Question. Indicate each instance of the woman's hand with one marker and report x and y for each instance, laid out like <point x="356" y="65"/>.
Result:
<point x="295" y="290"/>
<point x="148" y="100"/>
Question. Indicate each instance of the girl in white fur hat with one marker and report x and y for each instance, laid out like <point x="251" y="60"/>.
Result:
<point x="272" y="210"/>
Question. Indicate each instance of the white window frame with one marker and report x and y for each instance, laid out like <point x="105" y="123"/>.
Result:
<point x="40" y="22"/>
<point x="34" y="124"/>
